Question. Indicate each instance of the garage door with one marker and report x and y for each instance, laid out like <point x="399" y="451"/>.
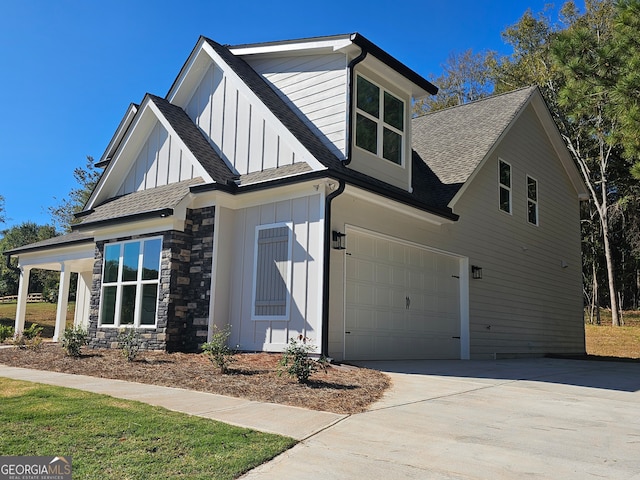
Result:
<point x="402" y="301"/>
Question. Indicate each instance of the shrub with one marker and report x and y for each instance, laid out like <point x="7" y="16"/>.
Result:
<point x="129" y="342"/>
<point x="5" y="332"/>
<point x="218" y="349"/>
<point x="30" y="338"/>
<point x="73" y="340"/>
<point x="296" y="361"/>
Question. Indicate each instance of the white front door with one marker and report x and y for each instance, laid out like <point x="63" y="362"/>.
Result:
<point x="402" y="301"/>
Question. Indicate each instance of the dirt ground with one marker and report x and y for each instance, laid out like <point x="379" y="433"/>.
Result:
<point x="255" y="376"/>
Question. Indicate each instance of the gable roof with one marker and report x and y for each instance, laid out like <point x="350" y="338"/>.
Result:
<point x="450" y="144"/>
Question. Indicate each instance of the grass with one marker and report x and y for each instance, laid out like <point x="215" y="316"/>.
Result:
<point x="112" y="438"/>
<point x="619" y="342"/>
<point x="42" y="313"/>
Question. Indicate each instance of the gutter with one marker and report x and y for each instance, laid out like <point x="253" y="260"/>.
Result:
<point x="324" y="348"/>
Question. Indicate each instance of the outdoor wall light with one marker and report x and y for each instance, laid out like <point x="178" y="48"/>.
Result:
<point x="338" y="240"/>
<point x="476" y="272"/>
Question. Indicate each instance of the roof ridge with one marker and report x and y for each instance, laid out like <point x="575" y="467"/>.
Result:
<point x="480" y="100"/>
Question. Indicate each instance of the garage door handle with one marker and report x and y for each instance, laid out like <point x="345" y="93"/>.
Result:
<point x="456" y="337"/>
<point x="408" y="302"/>
<point x="348" y="333"/>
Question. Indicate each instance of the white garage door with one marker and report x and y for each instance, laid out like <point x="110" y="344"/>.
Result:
<point x="402" y="301"/>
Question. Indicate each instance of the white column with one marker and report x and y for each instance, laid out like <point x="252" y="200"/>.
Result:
<point x="63" y="301"/>
<point x="23" y="292"/>
<point x="83" y="299"/>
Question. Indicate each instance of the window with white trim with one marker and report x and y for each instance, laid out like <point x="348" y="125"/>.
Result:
<point x="504" y="189"/>
<point x="130" y="280"/>
<point x="532" y="200"/>
<point x="379" y="121"/>
<point x="272" y="272"/>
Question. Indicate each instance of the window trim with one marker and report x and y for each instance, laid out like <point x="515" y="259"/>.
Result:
<point x="380" y="123"/>
<point x="139" y="282"/>
<point x="502" y="186"/>
<point x="289" y="273"/>
<point x="535" y="202"/>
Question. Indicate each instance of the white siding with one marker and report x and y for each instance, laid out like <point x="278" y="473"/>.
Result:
<point x="236" y="128"/>
<point x="315" y="87"/>
<point x="526" y="303"/>
<point x="161" y="160"/>
<point x="304" y="317"/>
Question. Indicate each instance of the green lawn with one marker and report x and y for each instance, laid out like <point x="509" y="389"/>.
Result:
<point x="112" y="438"/>
<point x="42" y="313"/>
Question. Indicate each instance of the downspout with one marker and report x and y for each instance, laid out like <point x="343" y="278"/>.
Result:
<point x="327" y="260"/>
<point x="327" y="210"/>
<point x="352" y="88"/>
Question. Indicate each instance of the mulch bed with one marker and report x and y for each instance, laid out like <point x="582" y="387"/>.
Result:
<point x="341" y="389"/>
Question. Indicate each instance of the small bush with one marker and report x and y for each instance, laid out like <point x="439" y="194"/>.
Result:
<point x="73" y="340"/>
<point x="129" y="343"/>
<point x="5" y="332"/>
<point x="218" y="349"/>
<point x="296" y="361"/>
<point x="30" y="338"/>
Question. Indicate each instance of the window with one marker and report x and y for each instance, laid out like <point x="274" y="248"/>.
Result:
<point x="130" y="279"/>
<point x="272" y="272"/>
<point x="504" y="179"/>
<point x="532" y="200"/>
<point x="379" y="121"/>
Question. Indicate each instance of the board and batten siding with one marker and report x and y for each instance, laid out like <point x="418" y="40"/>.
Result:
<point x="526" y="303"/>
<point x="304" y="214"/>
<point x="315" y="87"/>
<point x="161" y="161"/>
<point x="235" y="127"/>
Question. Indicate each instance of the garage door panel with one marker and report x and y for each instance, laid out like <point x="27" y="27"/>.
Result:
<point x="402" y="302"/>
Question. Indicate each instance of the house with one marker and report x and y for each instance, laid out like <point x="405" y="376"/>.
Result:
<point x="284" y="189"/>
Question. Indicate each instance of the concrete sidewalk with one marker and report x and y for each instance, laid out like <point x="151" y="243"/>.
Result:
<point x="298" y="423"/>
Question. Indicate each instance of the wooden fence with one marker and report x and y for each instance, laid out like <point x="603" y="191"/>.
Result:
<point x="31" y="298"/>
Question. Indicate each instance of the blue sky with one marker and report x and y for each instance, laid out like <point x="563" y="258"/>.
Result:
<point x="70" y="68"/>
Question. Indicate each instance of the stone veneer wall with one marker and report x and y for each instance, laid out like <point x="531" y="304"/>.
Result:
<point x="184" y="290"/>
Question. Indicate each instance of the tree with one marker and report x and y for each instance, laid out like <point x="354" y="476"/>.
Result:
<point x="585" y="54"/>
<point x="14" y="237"/>
<point x="62" y="214"/>
<point x="465" y="78"/>
<point x="626" y="91"/>
<point x="2" y="214"/>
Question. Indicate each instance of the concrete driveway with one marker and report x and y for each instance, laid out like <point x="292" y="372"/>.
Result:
<point x="510" y="419"/>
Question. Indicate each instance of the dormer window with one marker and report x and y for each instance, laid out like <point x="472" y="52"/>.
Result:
<point x="379" y="121"/>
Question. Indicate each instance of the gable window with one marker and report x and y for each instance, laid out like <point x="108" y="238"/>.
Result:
<point x="532" y="200"/>
<point x="130" y="279"/>
<point x="272" y="272"/>
<point x="504" y="179"/>
<point x="379" y="121"/>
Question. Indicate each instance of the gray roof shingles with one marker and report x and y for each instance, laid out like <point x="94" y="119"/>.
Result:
<point x="448" y="145"/>
<point x="139" y="203"/>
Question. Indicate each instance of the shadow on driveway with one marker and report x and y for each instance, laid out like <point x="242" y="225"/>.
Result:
<point x="609" y="375"/>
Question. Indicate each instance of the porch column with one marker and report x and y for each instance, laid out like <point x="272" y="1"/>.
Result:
<point x="83" y="299"/>
<point x="63" y="301"/>
<point x="23" y="292"/>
